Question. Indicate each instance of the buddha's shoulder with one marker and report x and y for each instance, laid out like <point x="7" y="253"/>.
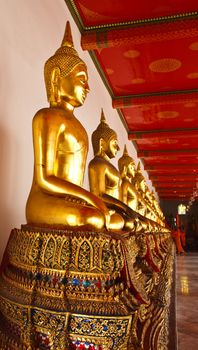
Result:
<point x="100" y="163"/>
<point x="50" y="113"/>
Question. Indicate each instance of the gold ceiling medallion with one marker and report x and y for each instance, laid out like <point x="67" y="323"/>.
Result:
<point x="131" y="53"/>
<point x="167" y="114"/>
<point x="165" y="65"/>
<point x="194" y="46"/>
<point x="193" y="75"/>
<point x="109" y="71"/>
<point x="138" y="81"/>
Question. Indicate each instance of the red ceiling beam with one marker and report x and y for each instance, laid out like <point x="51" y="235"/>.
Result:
<point x="114" y="36"/>
<point x="176" y="198"/>
<point x="181" y="153"/>
<point x="180" y="167"/>
<point x="167" y="134"/>
<point x="162" y="98"/>
<point x="175" y="187"/>
<point x="178" y="184"/>
<point x="174" y="183"/>
<point x="169" y="172"/>
<point x="175" y="192"/>
<point x="177" y="176"/>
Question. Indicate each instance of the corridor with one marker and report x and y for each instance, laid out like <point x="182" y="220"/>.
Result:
<point x="187" y="301"/>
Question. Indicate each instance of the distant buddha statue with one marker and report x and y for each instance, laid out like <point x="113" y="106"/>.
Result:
<point x="140" y="186"/>
<point x="158" y="212"/>
<point x="149" y="202"/>
<point x="104" y="178"/>
<point x="60" y="149"/>
<point x="127" y="170"/>
<point x="144" y="206"/>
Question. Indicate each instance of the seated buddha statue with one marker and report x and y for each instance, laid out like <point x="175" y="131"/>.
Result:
<point x="158" y="212"/>
<point x="126" y="167"/>
<point x="149" y="202"/>
<point x="140" y="186"/>
<point x="57" y="197"/>
<point x="142" y="207"/>
<point x="104" y="178"/>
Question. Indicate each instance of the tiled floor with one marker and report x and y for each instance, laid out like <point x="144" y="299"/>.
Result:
<point x="187" y="301"/>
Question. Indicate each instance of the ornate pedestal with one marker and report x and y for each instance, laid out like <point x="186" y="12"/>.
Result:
<point x="84" y="290"/>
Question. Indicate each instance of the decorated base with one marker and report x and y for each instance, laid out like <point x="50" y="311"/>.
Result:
<point x="84" y="290"/>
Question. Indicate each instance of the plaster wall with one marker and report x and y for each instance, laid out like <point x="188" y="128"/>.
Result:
<point x="30" y="32"/>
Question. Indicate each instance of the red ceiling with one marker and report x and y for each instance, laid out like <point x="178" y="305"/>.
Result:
<point x="94" y="13"/>
<point x="148" y="59"/>
<point x="157" y="66"/>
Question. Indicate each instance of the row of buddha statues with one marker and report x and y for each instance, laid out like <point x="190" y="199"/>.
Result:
<point x="90" y="269"/>
<point x="57" y="198"/>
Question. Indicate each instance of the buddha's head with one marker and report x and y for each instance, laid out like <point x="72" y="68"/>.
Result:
<point x="66" y="77"/>
<point x="104" y="139"/>
<point x="126" y="165"/>
<point x="139" y="180"/>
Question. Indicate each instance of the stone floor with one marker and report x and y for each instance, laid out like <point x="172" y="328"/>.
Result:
<point x="187" y="301"/>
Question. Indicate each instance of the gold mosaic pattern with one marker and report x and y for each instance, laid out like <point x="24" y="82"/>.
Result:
<point x="55" y="281"/>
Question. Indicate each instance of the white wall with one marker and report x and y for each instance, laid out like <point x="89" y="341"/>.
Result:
<point x="30" y="32"/>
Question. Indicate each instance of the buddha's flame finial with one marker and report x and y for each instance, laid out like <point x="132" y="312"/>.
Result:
<point x="125" y="152"/>
<point x="138" y="167"/>
<point x="67" y="39"/>
<point x="102" y="118"/>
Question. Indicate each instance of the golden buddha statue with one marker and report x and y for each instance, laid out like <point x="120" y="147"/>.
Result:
<point x="104" y="178"/>
<point x="60" y="149"/>
<point x="151" y="214"/>
<point x="140" y="186"/>
<point x="159" y="215"/>
<point x="126" y="166"/>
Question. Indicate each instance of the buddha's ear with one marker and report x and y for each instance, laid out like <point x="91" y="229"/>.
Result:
<point x="102" y="144"/>
<point x="54" y="91"/>
<point x="124" y="171"/>
<point x="55" y="75"/>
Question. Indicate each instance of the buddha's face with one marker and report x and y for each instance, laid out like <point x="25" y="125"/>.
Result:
<point x="112" y="147"/>
<point x="74" y="87"/>
<point x="131" y="170"/>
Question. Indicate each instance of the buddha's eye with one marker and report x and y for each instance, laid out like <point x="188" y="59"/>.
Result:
<point x="82" y="78"/>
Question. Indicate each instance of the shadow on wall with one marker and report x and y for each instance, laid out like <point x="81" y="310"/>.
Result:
<point x="8" y="164"/>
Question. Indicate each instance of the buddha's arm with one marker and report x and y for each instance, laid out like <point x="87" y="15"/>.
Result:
<point x="124" y="192"/>
<point x="96" y="178"/>
<point x="45" y="147"/>
<point x="132" y="192"/>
